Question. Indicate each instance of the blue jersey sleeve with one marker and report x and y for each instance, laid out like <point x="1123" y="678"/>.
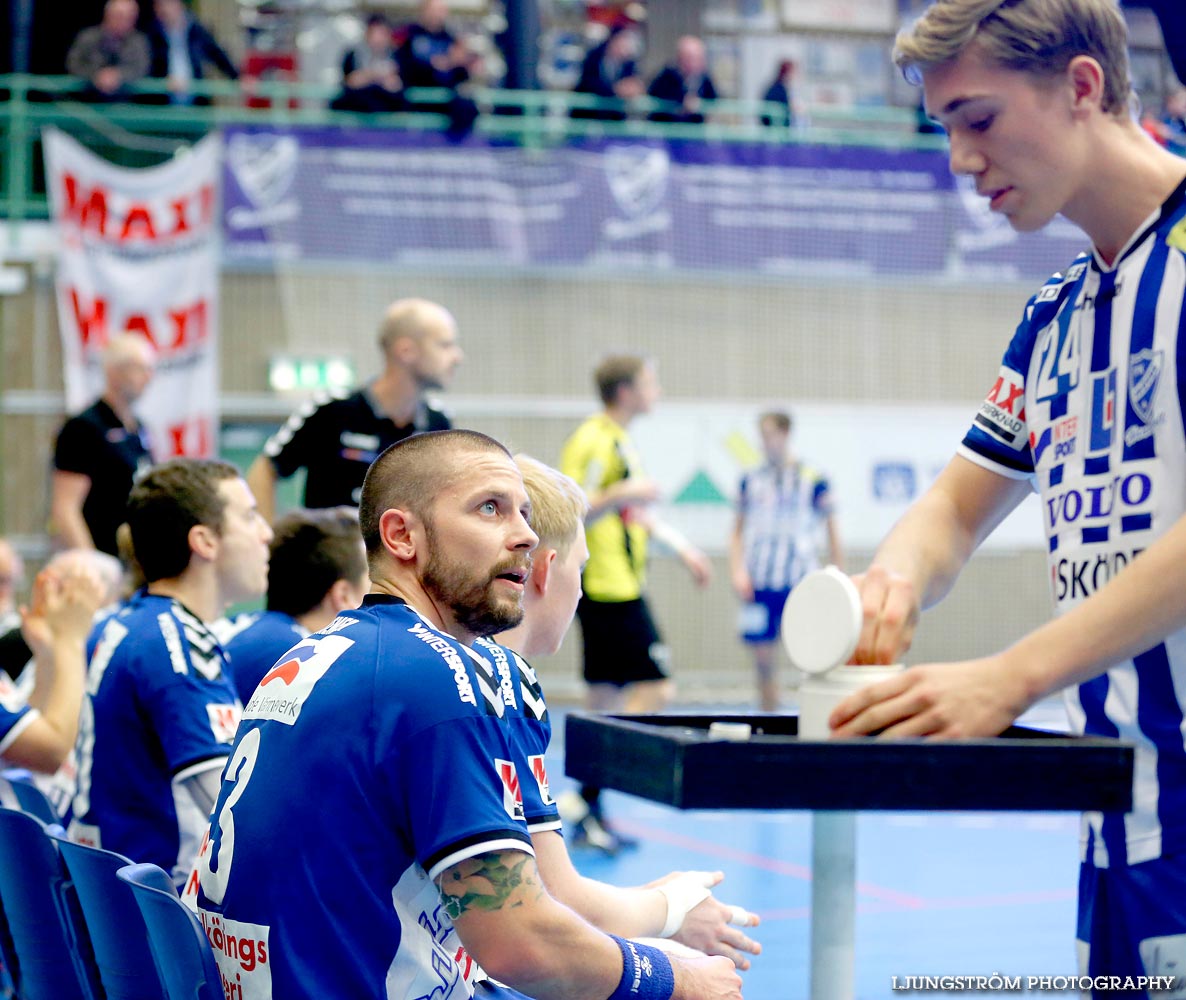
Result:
<point x="999" y="439"/>
<point x="821" y="498"/>
<point x="13" y="721"/>
<point x="185" y="690"/>
<point x="476" y="801"/>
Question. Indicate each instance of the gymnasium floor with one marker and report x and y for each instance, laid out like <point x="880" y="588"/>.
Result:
<point x="937" y="893"/>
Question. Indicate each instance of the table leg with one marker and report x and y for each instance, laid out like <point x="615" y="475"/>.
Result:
<point x="833" y="904"/>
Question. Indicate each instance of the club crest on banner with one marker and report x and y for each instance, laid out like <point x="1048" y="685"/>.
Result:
<point x="264" y="167"/>
<point x="637" y="178"/>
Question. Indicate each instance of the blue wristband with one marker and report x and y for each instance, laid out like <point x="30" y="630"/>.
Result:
<point x="646" y="973"/>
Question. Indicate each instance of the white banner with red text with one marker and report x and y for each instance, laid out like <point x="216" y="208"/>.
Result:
<point x="139" y="251"/>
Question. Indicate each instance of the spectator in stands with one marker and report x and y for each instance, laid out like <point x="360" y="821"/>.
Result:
<point x="679" y="906"/>
<point x="39" y="733"/>
<point x="779" y="92"/>
<point x="686" y="83"/>
<point x="610" y="71"/>
<point x="181" y="49"/>
<point x="162" y="710"/>
<point x="370" y="72"/>
<point x="336" y="439"/>
<point x="431" y="56"/>
<point x="317" y="567"/>
<point x="110" y="55"/>
<point x="100" y="451"/>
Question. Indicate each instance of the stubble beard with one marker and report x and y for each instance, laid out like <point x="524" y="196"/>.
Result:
<point x="471" y="599"/>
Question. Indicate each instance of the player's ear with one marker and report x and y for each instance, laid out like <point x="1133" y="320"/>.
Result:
<point x="203" y="542"/>
<point x="1086" y="77"/>
<point x="397" y="531"/>
<point x="541" y="570"/>
<point x="341" y="596"/>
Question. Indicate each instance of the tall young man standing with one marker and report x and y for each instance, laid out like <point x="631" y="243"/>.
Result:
<point x="1034" y="95"/>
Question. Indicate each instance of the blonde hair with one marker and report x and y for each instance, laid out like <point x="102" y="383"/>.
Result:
<point x="558" y="504"/>
<point x="1033" y="36"/>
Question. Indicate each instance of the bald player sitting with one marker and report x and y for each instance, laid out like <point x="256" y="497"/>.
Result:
<point x="336" y="438"/>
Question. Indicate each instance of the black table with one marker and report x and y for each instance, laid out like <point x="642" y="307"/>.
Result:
<point x="672" y="759"/>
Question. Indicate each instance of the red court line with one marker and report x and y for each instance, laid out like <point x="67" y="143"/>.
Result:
<point x="900" y="900"/>
<point x="953" y="903"/>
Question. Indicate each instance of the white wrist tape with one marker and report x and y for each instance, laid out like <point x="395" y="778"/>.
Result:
<point x="683" y="894"/>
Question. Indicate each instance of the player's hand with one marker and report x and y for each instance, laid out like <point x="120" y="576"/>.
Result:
<point x="706" y="977"/>
<point x="889" y="609"/>
<point x="945" y="700"/>
<point x="710" y="925"/>
<point x="698" y="564"/>
<point x="743" y="586"/>
<point x="63" y="604"/>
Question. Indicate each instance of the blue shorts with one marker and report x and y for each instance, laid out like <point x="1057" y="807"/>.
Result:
<point x="761" y="618"/>
<point x="1132" y="920"/>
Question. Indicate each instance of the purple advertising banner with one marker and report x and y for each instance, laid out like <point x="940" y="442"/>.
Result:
<point x="355" y="195"/>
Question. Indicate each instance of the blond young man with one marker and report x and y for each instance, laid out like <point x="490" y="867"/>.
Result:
<point x="679" y="906"/>
<point x="1035" y="97"/>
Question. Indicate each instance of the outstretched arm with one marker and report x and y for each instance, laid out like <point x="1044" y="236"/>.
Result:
<point x="523" y="937"/>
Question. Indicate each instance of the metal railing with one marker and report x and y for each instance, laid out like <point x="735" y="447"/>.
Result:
<point x="142" y="134"/>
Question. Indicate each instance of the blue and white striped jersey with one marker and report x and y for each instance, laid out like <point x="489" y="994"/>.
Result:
<point x="1088" y="405"/>
<point x="369" y="761"/>
<point x="783" y="509"/>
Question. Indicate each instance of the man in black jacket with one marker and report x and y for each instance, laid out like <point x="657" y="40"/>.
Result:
<point x="182" y="49"/>
<point x="610" y="71"/>
<point x="686" y="83"/>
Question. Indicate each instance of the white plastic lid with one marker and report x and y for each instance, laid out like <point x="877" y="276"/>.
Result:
<point x="821" y="622"/>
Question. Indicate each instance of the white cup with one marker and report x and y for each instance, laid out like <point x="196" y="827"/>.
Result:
<point x="820" y="693"/>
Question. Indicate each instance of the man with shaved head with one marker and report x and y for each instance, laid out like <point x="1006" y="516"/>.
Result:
<point x="335" y="438"/>
<point x="100" y="452"/>
<point x="373" y="798"/>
